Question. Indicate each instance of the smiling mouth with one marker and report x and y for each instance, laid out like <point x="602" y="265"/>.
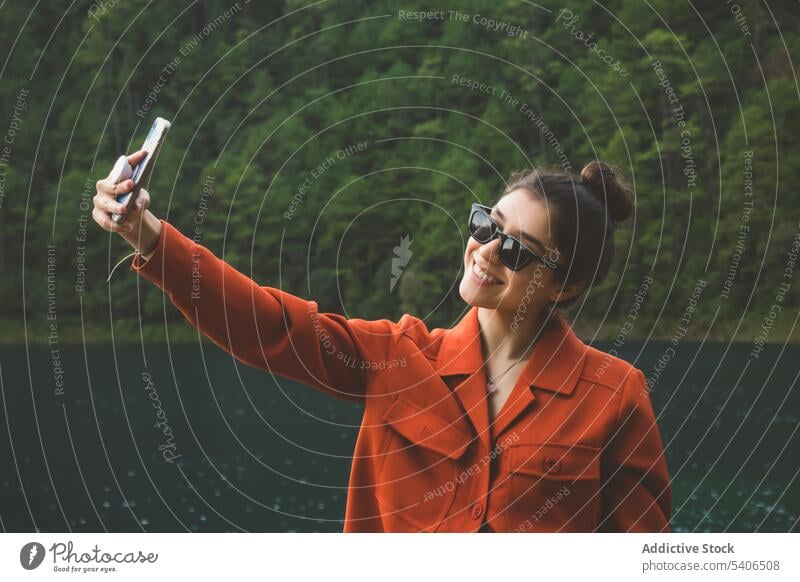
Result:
<point x="481" y="277"/>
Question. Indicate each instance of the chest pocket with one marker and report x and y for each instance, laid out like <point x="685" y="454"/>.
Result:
<point x="416" y="482"/>
<point x="553" y="487"/>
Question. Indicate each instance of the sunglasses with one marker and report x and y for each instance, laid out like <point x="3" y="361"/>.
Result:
<point x="513" y="254"/>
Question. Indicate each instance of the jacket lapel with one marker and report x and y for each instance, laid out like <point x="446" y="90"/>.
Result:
<point x="555" y="365"/>
<point x="461" y="354"/>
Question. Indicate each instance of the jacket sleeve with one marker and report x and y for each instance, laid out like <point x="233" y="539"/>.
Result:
<point x="265" y="327"/>
<point x="636" y="493"/>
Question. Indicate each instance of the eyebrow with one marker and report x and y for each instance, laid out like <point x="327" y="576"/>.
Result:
<point x="522" y="233"/>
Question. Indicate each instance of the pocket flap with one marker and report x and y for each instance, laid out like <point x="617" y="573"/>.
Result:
<point x="425" y="429"/>
<point x="555" y="461"/>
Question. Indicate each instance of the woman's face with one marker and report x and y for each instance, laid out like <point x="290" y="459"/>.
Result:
<point x="521" y="292"/>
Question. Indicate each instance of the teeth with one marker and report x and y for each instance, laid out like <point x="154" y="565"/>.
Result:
<point x="483" y="275"/>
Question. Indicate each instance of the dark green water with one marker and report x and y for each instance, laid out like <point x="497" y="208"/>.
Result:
<point x="260" y="453"/>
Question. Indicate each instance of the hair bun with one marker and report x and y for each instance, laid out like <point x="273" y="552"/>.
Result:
<point x="600" y="179"/>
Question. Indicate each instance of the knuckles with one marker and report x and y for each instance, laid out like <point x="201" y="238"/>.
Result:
<point x="104" y="190"/>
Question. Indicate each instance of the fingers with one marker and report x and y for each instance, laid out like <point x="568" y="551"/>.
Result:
<point x="108" y="204"/>
<point x="134" y="159"/>
<point x="109" y="188"/>
<point x="104" y="220"/>
<point x="137" y="209"/>
<point x="117" y="183"/>
<point x="105" y="204"/>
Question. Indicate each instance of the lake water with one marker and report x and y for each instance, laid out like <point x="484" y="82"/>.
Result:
<point x="260" y="453"/>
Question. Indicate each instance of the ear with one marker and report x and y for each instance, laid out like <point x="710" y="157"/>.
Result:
<point x="564" y="292"/>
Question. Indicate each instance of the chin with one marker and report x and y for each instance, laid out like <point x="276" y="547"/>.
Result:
<point x="467" y="295"/>
<point x="477" y="296"/>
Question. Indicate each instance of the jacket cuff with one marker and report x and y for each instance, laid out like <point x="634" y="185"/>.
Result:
<point x="170" y="265"/>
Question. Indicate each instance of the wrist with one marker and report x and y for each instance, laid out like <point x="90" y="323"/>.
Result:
<point x="144" y="239"/>
<point x="148" y="246"/>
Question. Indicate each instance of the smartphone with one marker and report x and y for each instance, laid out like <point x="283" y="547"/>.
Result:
<point x="141" y="173"/>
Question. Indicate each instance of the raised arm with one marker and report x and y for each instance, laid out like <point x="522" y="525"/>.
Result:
<point x="261" y="326"/>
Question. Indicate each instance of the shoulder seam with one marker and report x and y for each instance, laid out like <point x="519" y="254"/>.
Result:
<point x="607" y="383"/>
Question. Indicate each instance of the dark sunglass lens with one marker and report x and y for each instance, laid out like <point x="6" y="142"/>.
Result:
<point x="513" y="255"/>
<point x="480" y="227"/>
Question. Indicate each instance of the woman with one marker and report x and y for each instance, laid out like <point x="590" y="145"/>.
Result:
<point x="506" y="422"/>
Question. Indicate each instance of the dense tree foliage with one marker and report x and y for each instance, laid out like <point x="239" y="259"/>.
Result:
<point x="270" y="101"/>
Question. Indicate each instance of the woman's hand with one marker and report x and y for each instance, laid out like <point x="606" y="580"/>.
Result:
<point x="140" y="228"/>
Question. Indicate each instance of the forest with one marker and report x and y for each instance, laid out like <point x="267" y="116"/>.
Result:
<point x="310" y="140"/>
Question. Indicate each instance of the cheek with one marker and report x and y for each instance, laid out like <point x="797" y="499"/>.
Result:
<point x="472" y="246"/>
<point x="534" y="282"/>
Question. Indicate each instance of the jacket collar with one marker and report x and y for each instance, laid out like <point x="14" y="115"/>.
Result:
<point x="555" y="364"/>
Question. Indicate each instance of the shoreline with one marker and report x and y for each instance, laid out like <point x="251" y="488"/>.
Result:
<point x="181" y="333"/>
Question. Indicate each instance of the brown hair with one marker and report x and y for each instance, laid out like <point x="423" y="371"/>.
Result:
<point x="583" y="211"/>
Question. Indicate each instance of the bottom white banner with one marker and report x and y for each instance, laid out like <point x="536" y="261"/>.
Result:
<point x="401" y="557"/>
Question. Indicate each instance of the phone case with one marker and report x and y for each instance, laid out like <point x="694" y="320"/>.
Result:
<point x="141" y="173"/>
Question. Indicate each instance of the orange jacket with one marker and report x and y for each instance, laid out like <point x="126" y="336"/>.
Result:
<point x="575" y="447"/>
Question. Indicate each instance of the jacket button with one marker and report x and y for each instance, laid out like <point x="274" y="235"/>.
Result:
<point x="477" y="510"/>
<point x="552" y="465"/>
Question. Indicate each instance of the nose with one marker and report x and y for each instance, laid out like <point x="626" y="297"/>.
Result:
<point x="489" y="251"/>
